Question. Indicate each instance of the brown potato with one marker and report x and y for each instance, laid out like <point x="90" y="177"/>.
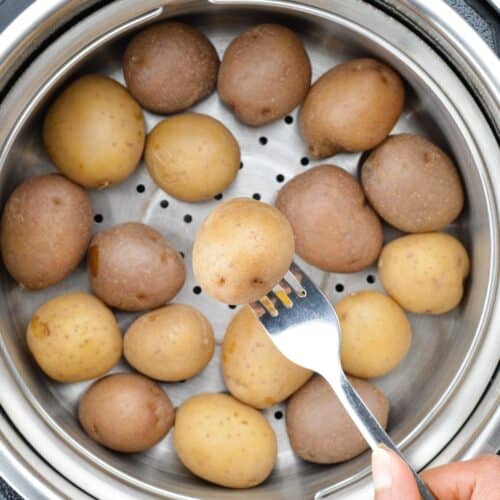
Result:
<point x="224" y="441"/>
<point x="376" y="334"/>
<point x="412" y="184"/>
<point x="94" y="132"/>
<point x="74" y="337"/>
<point x="265" y="73"/>
<point x="243" y="248"/>
<point x="126" y="412"/>
<point x="192" y="156"/>
<point x="255" y="372"/>
<point x="170" y="66"/>
<point x="45" y="230"/>
<point x="334" y="227"/>
<point x="319" y="428"/>
<point x="173" y="343"/>
<point x="132" y="267"/>
<point x="352" y="107"/>
<point x="425" y="272"/>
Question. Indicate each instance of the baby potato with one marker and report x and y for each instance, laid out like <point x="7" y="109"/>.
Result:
<point x="243" y="248"/>
<point x="425" y="272"/>
<point x="170" y="66"/>
<point x="224" y="441"/>
<point x="94" y="132"/>
<point x="352" y="107"/>
<point x="74" y="337"/>
<point x="319" y="428"/>
<point x="412" y="184"/>
<point x="376" y="334"/>
<point x="173" y="343"/>
<point x="192" y="156"/>
<point x="126" y="412"/>
<point x="132" y="267"/>
<point x="335" y="229"/>
<point x="265" y="74"/>
<point x="45" y="230"/>
<point x="255" y="371"/>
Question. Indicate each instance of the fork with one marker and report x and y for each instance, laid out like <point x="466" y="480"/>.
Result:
<point x="304" y="326"/>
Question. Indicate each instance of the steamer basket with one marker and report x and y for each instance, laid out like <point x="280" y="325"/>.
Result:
<point x="453" y="356"/>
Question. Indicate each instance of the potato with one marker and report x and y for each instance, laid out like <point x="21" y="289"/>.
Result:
<point x="192" y="157"/>
<point x="319" y="428"/>
<point x="265" y="74"/>
<point x="74" y="337"/>
<point x="45" y="230"/>
<point x="170" y="66"/>
<point x="352" y="107"/>
<point x="255" y="372"/>
<point x="126" y="412"/>
<point x="412" y="184"/>
<point x="243" y="248"/>
<point x="376" y="334"/>
<point x="94" y="132"/>
<point x="425" y="272"/>
<point x="132" y="267"/>
<point x="170" y="344"/>
<point x="224" y="441"/>
<point x="334" y="227"/>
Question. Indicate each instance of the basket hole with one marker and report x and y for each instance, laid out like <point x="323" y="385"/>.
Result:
<point x="304" y="161"/>
<point x="241" y="164"/>
<point x="182" y="254"/>
<point x="164" y="203"/>
<point x="197" y="290"/>
<point x="231" y="306"/>
<point x="140" y="188"/>
<point x="288" y="120"/>
<point x="263" y="140"/>
<point x="188" y="218"/>
<point x="218" y="196"/>
<point x="278" y="415"/>
<point x="370" y="279"/>
<point x="256" y="196"/>
<point x="98" y="218"/>
<point x="339" y="287"/>
<point x="280" y="178"/>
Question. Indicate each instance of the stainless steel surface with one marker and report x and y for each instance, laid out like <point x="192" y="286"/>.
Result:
<point x="304" y="326"/>
<point x="453" y="356"/>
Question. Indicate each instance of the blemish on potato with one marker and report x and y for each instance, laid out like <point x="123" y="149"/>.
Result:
<point x="38" y="328"/>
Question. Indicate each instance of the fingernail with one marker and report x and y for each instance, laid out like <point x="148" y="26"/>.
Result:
<point x="381" y="469"/>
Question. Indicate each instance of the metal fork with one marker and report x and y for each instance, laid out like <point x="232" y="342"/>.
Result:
<point x="304" y="326"/>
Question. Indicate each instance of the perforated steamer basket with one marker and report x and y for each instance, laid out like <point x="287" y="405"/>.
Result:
<point x="444" y="396"/>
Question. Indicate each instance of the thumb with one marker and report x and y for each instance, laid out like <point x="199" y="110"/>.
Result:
<point x="392" y="478"/>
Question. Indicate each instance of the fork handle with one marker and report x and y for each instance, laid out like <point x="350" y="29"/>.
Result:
<point x="368" y="425"/>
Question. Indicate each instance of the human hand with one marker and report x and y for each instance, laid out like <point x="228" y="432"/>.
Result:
<point x="477" y="479"/>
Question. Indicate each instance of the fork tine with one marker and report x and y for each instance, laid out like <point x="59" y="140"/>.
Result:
<point x="282" y="296"/>
<point x="293" y="277"/>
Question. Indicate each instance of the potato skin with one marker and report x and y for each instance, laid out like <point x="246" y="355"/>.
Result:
<point x="45" y="230"/>
<point x="243" y="248"/>
<point x="376" y="334"/>
<point x="132" y="267"/>
<point x="352" y="107"/>
<point x="319" y="428"/>
<point x="74" y="337"/>
<point x="424" y="272"/>
<point x="265" y="73"/>
<point x="126" y="412"/>
<point x="255" y="371"/>
<point x="94" y="132"/>
<point x="224" y="441"/>
<point x="412" y="184"/>
<point x="172" y="343"/>
<point x="170" y="66"/>
<point x="192" y="156"/>
<point x="334" y="227"/>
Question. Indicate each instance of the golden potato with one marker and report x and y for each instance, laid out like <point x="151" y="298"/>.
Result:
<point x="224" y="441"/>
<point x="335" y="229"/>
<point x="319" y="428"/>
<point x="265" y="74"/>
<point x="352" y="107"/>
<point x="45" y="230"/>
<point x="376" y="334"/>
<point x="412" y="184"/>
<point x="169" y="344"/>
<point x="255" y="372"/>
<point x="243" y="248"/>
<point x="74" y="337"/>
<point x="192" y="156"/>
<point x="94" y="132"/>
<point x="425" y="272"/>
<point x="132" y="267"/>
<point x="126" y="412"/>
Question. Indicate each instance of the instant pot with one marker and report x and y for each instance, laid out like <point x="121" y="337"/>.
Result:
<point x="445" y="398"/>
